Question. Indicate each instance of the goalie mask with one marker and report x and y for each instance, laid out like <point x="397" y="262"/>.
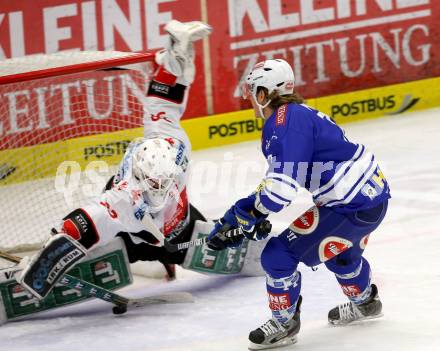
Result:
<point x="154" y="166"/>
<point x="274" y="75"/>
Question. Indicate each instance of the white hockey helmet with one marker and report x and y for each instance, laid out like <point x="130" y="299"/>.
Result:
<point x="273" y="75"/>
<point x="154" y="166"/>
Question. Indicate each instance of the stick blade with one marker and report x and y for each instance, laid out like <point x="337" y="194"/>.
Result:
<point x="171" y="298"/>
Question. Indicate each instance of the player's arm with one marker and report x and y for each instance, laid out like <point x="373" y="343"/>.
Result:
<point x="286" y="173"/>
<point x="276" y="191"/>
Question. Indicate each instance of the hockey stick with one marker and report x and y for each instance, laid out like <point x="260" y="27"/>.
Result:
<point x="170" y="247"/>
<point x="185" y="245"/>
<point x="147" y="221"/>
<point x="121" y="303"/>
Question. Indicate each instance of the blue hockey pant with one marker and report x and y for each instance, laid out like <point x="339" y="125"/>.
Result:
<point x="320" y="235"/>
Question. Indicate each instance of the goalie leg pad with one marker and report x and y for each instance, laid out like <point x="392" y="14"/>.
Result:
<point x="80" y="226"/>
<point x="47" y="267"/>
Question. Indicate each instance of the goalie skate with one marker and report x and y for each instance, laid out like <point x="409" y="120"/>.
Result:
<point x="349" y="312"/>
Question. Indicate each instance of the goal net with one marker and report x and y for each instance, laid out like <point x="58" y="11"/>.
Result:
<point x="65" y="122"/>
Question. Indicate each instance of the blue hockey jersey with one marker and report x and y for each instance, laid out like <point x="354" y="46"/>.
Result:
<point x="306" y="148"/>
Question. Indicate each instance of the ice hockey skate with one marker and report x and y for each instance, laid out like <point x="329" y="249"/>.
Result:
<point x="274" y="334"/>
<point x="349" y="312"/>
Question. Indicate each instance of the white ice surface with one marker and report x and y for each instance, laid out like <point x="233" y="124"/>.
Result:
<point x="404" y="254"/>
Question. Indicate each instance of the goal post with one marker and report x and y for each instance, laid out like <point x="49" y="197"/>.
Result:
<point x="63" y="63"/>
<point x="65" y="122"/>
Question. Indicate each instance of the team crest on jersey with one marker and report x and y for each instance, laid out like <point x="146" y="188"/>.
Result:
<point x="333" y="246"/>
<point x="264" y="183"/>
<point x="269" y="141"/>
<point x="364" y="241"/>
<point x="307" y="222"/>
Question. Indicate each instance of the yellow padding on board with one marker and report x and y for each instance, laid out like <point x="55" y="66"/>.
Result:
<point x="41" y="161"/>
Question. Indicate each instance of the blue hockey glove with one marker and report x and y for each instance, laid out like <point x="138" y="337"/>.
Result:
<point x="242" y="216"/>
<point x="252" y="223"/>
<point x="253" y="228"/>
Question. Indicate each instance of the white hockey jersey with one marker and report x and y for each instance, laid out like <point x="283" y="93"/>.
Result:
<point x="122" y="208"/>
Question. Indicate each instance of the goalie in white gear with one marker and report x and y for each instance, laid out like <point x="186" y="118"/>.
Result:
<point x="151" y="179"/>
<point x="155" y="168"/>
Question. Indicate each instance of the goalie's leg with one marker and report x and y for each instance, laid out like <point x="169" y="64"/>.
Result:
<point x="45" y="269"/>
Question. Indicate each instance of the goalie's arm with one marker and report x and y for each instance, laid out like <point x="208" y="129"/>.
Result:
<point x="67" y="247"/>
<point x="81" y="230"/>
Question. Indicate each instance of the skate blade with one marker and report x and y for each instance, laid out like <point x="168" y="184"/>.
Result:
<point x="356" y="321"/>
<point x="284" y="342"/>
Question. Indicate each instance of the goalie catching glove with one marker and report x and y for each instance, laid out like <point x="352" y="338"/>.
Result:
<point x="250" y="224"/>
<point x="178" y="57"/>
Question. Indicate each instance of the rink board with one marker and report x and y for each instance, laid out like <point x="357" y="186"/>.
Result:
<point x="97" y="152"/>
<point x="366" y="104"/>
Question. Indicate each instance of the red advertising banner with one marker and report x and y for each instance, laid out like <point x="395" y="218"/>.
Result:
<point x="60" y="108"/>
<point x="47" y="26"/>
<point x="335" y="46"/>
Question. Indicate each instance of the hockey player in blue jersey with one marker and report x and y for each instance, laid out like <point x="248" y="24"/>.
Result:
<point x="305" y="148"/>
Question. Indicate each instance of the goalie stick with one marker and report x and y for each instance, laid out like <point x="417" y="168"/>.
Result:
<point x="185" y="245"/>
<point x="147" y="221"/>
<point x="121" y="303"/>
<point x="170" y="247"/>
